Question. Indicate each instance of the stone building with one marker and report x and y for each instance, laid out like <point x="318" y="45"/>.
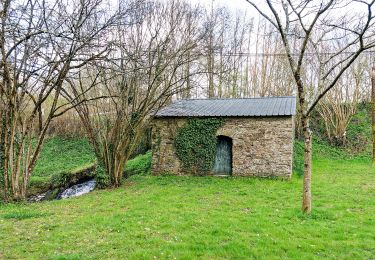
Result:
<point x="255" y="139"/>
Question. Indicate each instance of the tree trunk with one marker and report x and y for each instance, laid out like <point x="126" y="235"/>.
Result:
<point x="211" y="87"/>
<point x="373" y="112"/>
<point x="2" y="153"/>
<point x="210" y="58"/>
<point x="306" y="201"/>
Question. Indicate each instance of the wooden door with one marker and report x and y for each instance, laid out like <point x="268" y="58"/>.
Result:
<point x="223" y="158"/>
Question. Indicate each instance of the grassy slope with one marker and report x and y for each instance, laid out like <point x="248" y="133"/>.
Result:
<point x="67" y="155"/>
<point x="205" y="217"/>
<point x="62" y="155"/>
<point x="358" y="133"/>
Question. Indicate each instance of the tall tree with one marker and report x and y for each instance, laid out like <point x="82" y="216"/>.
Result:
<point x="316" y="24"/>
<point x="146" y="69"/>
<point x="41" y="42"/>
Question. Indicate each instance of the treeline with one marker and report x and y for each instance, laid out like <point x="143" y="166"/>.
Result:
<point x="108" y="68"/>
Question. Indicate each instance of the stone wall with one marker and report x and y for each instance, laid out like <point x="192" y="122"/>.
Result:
<point x="262" y="146"/>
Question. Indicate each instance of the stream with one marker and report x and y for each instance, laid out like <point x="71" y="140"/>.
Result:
<point x="77" y="190"/>
<point x="73" y="191"/>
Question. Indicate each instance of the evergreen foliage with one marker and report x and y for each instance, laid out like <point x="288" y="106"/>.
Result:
<point x="196" y="144"/>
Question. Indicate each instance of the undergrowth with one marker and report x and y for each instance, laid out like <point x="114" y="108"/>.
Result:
<point x="358" y="133"/>
<point x="139" y="165"/>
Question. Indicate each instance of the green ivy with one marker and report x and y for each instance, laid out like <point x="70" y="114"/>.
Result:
<point x="196" y="144"/>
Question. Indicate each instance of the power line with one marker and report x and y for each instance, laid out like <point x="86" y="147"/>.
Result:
<point x="252" y="54"/>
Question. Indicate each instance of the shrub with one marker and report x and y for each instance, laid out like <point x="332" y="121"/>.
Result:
<point x="358" y="132"/>
<point x="101" y="177"/>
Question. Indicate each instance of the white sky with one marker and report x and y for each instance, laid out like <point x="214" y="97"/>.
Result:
<point x="243" y="5"/>
<point x="232" y="4"/>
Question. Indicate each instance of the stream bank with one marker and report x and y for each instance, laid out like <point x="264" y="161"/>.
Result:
<point x="58" y="183"/>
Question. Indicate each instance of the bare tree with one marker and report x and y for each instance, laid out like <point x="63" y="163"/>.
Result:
<point x="226" y="39"/>
<point x="41" y="42"/>
<point x="146" y="69"/>
<point x="269" y="73"/>
<point x="317" y="23"/>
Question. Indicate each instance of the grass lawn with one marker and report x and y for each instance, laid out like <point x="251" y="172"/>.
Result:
<point x="203" y="217"/>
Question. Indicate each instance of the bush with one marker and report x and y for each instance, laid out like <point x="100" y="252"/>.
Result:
<point x="358" y="132"/>
<point x="68" y="125"/>
<point x="101" y="177"/>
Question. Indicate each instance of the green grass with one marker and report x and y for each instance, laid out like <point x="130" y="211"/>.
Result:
<point x="169" y="217"/>
<point x="323" y="152"/>
<point x="139" y="165"/>
<point x="60" y="157"/>
<point x="21" y="215"/>
<point x="63" y="155"/>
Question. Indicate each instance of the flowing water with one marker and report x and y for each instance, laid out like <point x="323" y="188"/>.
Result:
<point x="77" y="190"/>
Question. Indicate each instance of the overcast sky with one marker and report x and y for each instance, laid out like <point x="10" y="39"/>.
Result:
<point x="243" y="5"/>
<point x="232" y="4"/>
<point x="344" y="8"/>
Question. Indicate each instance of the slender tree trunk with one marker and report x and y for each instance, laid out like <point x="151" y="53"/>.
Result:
<point x="211" y="87"/>
<point x="373" y="112"/>
<point x="210" y="61"/>
<point x="2" y="153"/>
<point x="306" y="201"/>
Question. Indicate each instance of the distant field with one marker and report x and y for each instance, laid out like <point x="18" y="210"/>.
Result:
<point x="204" y="217"/>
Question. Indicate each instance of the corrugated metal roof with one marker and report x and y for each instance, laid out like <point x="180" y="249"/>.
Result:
<point x="235" y="107"/>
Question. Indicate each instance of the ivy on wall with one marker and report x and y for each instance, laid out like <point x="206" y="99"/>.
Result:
<point x="196" y="144"/>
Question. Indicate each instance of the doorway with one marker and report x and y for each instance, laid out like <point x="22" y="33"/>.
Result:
<point x="223" y="158"/>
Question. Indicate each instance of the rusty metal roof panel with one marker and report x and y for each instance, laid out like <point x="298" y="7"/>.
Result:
<point x="235" y="107"/>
